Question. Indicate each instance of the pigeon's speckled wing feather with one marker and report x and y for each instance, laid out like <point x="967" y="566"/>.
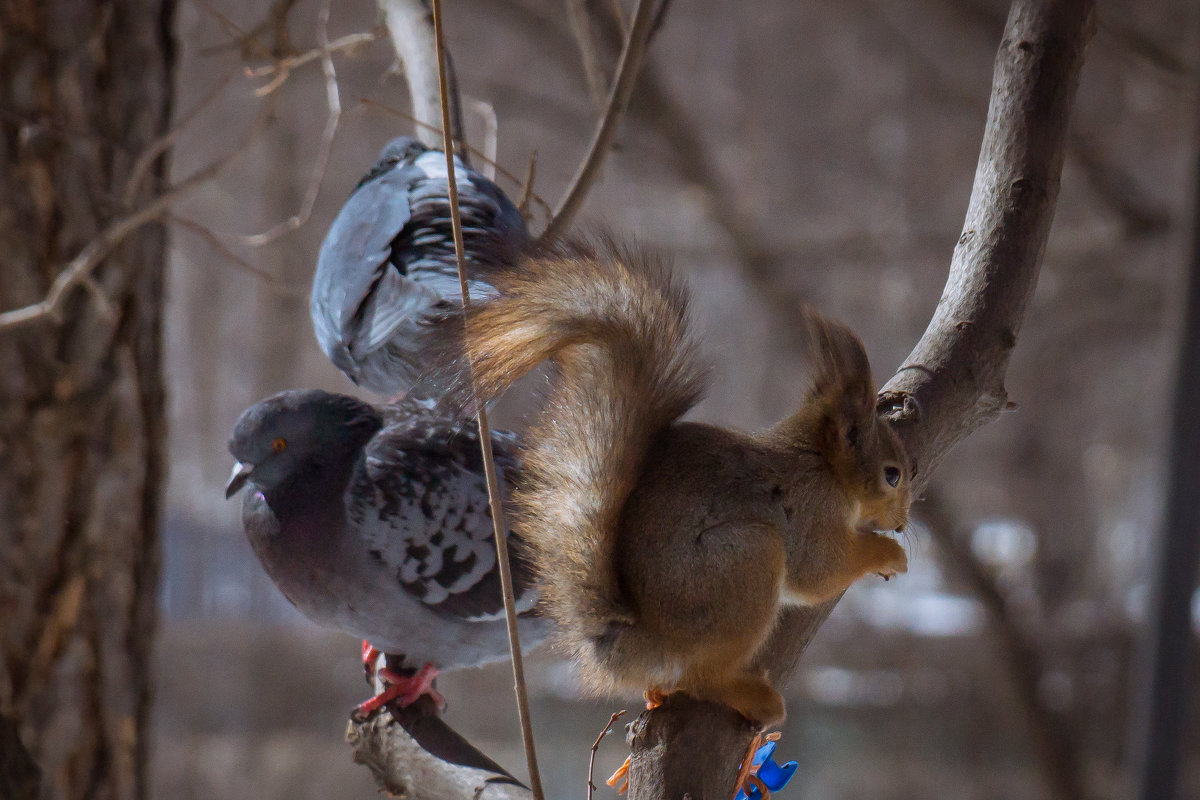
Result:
<point x="423" y="513"/>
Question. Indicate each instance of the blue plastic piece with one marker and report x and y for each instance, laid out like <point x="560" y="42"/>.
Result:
<point x="774" y="776"/>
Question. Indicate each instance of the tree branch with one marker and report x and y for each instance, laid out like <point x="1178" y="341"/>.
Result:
<point x="622" y="90"/>
<point x="79" y="269"/>
<point x="1113" y="185"/>
<point x="949" y="386"/>
<point x="952" y="383"/>
<point x="593" y="73"/>
<point x="333" y="103"/>
<point x="414" y="754"/>
<point x="410" y="24"/>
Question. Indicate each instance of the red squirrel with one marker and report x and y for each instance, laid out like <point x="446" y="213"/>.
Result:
<point x="666" y="549"/>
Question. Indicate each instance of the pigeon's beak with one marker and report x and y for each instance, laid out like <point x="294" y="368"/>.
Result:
<point x="237" y="478"/>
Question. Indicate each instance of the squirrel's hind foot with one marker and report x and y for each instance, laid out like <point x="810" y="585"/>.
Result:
<point x="752" y="696"/>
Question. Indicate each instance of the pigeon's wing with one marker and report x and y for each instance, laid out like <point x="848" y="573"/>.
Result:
<point x="493" y="229"/>
<point x="496" y="213"/>
<point x="423" y="513"/>
<point x="357" y="300"/>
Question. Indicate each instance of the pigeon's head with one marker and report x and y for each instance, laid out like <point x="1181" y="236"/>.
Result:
<point x="292" y="432"/>
<point x="402" y="148"/>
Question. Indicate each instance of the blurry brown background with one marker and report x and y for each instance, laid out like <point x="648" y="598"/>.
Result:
<point x="782" y="151"/>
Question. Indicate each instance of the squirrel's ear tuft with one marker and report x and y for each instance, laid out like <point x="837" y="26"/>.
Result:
<point x="841" y="372"/>
<point x="843" y="392"/>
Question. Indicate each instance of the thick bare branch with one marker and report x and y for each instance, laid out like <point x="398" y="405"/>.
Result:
<point x="952" y="383"/>
<point x="410" y="24"/>
<point x="414" y="754"/>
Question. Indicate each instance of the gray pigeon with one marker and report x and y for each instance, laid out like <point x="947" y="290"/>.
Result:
<point x="387" y="275"/>
<point x="381" y="528"/>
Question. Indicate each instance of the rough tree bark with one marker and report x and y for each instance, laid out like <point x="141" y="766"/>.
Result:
<point x="950" y="385"/>
<point x="85" y="87"/>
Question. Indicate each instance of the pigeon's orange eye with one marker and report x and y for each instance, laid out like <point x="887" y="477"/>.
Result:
<point x="279" y="445"/>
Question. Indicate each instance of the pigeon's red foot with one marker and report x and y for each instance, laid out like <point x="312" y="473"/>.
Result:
<point x="403" y="690"/>
<point x="370" y="657"/>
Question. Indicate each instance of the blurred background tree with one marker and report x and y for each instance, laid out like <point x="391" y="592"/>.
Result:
<point x="85" y="89"/>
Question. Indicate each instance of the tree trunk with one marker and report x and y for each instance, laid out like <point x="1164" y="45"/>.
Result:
<point x="1164" y="686"/>
<point x="85" y="87"/>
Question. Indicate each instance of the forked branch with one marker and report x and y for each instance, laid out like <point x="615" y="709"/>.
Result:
<point x="953" y="381"/>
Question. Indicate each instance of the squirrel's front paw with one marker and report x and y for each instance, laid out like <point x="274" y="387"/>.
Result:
<point x="892" y="558"/>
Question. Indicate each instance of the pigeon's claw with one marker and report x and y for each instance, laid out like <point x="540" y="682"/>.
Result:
<point x="404" y="690"/>
<point x="419" y="684"/>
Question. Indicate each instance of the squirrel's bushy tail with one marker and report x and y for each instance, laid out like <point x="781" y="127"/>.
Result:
<point x="614" y="324"/>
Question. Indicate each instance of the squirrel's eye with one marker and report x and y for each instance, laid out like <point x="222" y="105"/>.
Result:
<point x="892" y="476"/>
<point x="280" y="444"/>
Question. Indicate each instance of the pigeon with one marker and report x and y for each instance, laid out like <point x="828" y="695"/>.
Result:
<point x="376" y="522"/>
<point x="387" y="276"/>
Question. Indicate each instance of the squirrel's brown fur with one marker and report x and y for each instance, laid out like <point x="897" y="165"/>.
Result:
<point x="666" y="549"/>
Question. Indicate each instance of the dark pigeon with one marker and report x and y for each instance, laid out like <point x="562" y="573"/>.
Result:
<point x="380" y="527"/>
<point x="387" y="276"/>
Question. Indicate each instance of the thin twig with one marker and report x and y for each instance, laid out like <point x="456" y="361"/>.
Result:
<point x="104" y="304"/>
<point x="527" y="187"/>
<point x="499" y="528"/>
<point x="334" y="103"/>
<point x="618" y="16"/>
<point x="591" y="787"/>
<point x="80" y="267"/>
<point x="347" y="42"/>
<point x="282" y="68"/>
<point x="163" y="143"/>
<point x="660" y="18"/>
<point x="272" y="283"/>
<point x="491" y="135"/>
<point x="581" y="28"/>
<point x="247" y="40"/>
<point x="622" y="90"/>
<point x="474" y="151"/>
